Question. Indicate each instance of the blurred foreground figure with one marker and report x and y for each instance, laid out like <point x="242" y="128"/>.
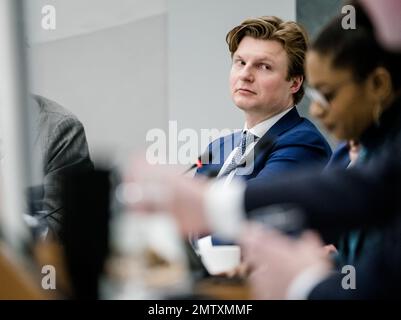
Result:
<point x="275" y="261"/>
<point x="385" y="16"/>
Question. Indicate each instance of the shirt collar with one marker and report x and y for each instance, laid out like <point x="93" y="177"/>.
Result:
<point x="261" y="128"/>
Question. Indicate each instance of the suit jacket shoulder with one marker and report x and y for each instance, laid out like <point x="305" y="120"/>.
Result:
<point x="340" y="157"/>
<point x="60" y="136"/>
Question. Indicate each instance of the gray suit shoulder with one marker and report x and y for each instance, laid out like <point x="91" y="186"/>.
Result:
<point x="51" y="109"/>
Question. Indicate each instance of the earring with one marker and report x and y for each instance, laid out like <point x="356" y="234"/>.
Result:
<point x="377" y="113"/>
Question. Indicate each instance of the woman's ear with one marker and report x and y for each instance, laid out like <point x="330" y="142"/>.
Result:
<point x="296" y="83"/>
<point x="379" y="84"/>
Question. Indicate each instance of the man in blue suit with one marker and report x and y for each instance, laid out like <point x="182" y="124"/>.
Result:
<point x="266" y="82"/>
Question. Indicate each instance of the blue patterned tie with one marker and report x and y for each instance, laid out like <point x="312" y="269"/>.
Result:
<point x="246" y="139"/>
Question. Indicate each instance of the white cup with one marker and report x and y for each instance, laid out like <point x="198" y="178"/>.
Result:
<point x="220" y="259"/>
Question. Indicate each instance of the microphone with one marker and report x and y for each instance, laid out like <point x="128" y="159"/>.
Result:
<point x="205" y="157"/>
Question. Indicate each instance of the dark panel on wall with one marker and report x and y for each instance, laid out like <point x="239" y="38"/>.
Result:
<point x="313" y="14"/>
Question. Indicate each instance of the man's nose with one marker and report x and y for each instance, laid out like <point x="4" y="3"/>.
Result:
<point x="246" y="74"/>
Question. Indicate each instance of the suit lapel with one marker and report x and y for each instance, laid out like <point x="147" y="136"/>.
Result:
<point x="218" y="154"/>
<point x="227" y="145"/>
<point x="266" y="143"/>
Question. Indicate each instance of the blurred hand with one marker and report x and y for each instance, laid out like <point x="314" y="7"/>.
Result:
<point x="242" y="271"/>
<point x="275" y="260"/>
<point x="161" y="188"/>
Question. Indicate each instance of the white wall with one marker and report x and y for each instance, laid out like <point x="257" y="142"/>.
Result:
<point x="77" y="17"/>
<point x="113" y="79"/>
<point x="127" y="66"/>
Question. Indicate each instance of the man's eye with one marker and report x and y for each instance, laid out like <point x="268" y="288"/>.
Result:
<point x="265" y="67"/>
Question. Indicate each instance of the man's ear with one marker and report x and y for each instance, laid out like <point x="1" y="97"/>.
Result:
<point x="296" y="83"/>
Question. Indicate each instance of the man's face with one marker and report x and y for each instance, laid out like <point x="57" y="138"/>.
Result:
<point x="258" y="78"/>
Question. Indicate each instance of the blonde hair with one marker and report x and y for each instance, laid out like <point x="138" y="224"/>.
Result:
<point x="290" y="34"/>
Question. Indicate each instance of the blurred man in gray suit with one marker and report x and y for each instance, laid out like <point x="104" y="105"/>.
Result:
<point x="60" y="146"/>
